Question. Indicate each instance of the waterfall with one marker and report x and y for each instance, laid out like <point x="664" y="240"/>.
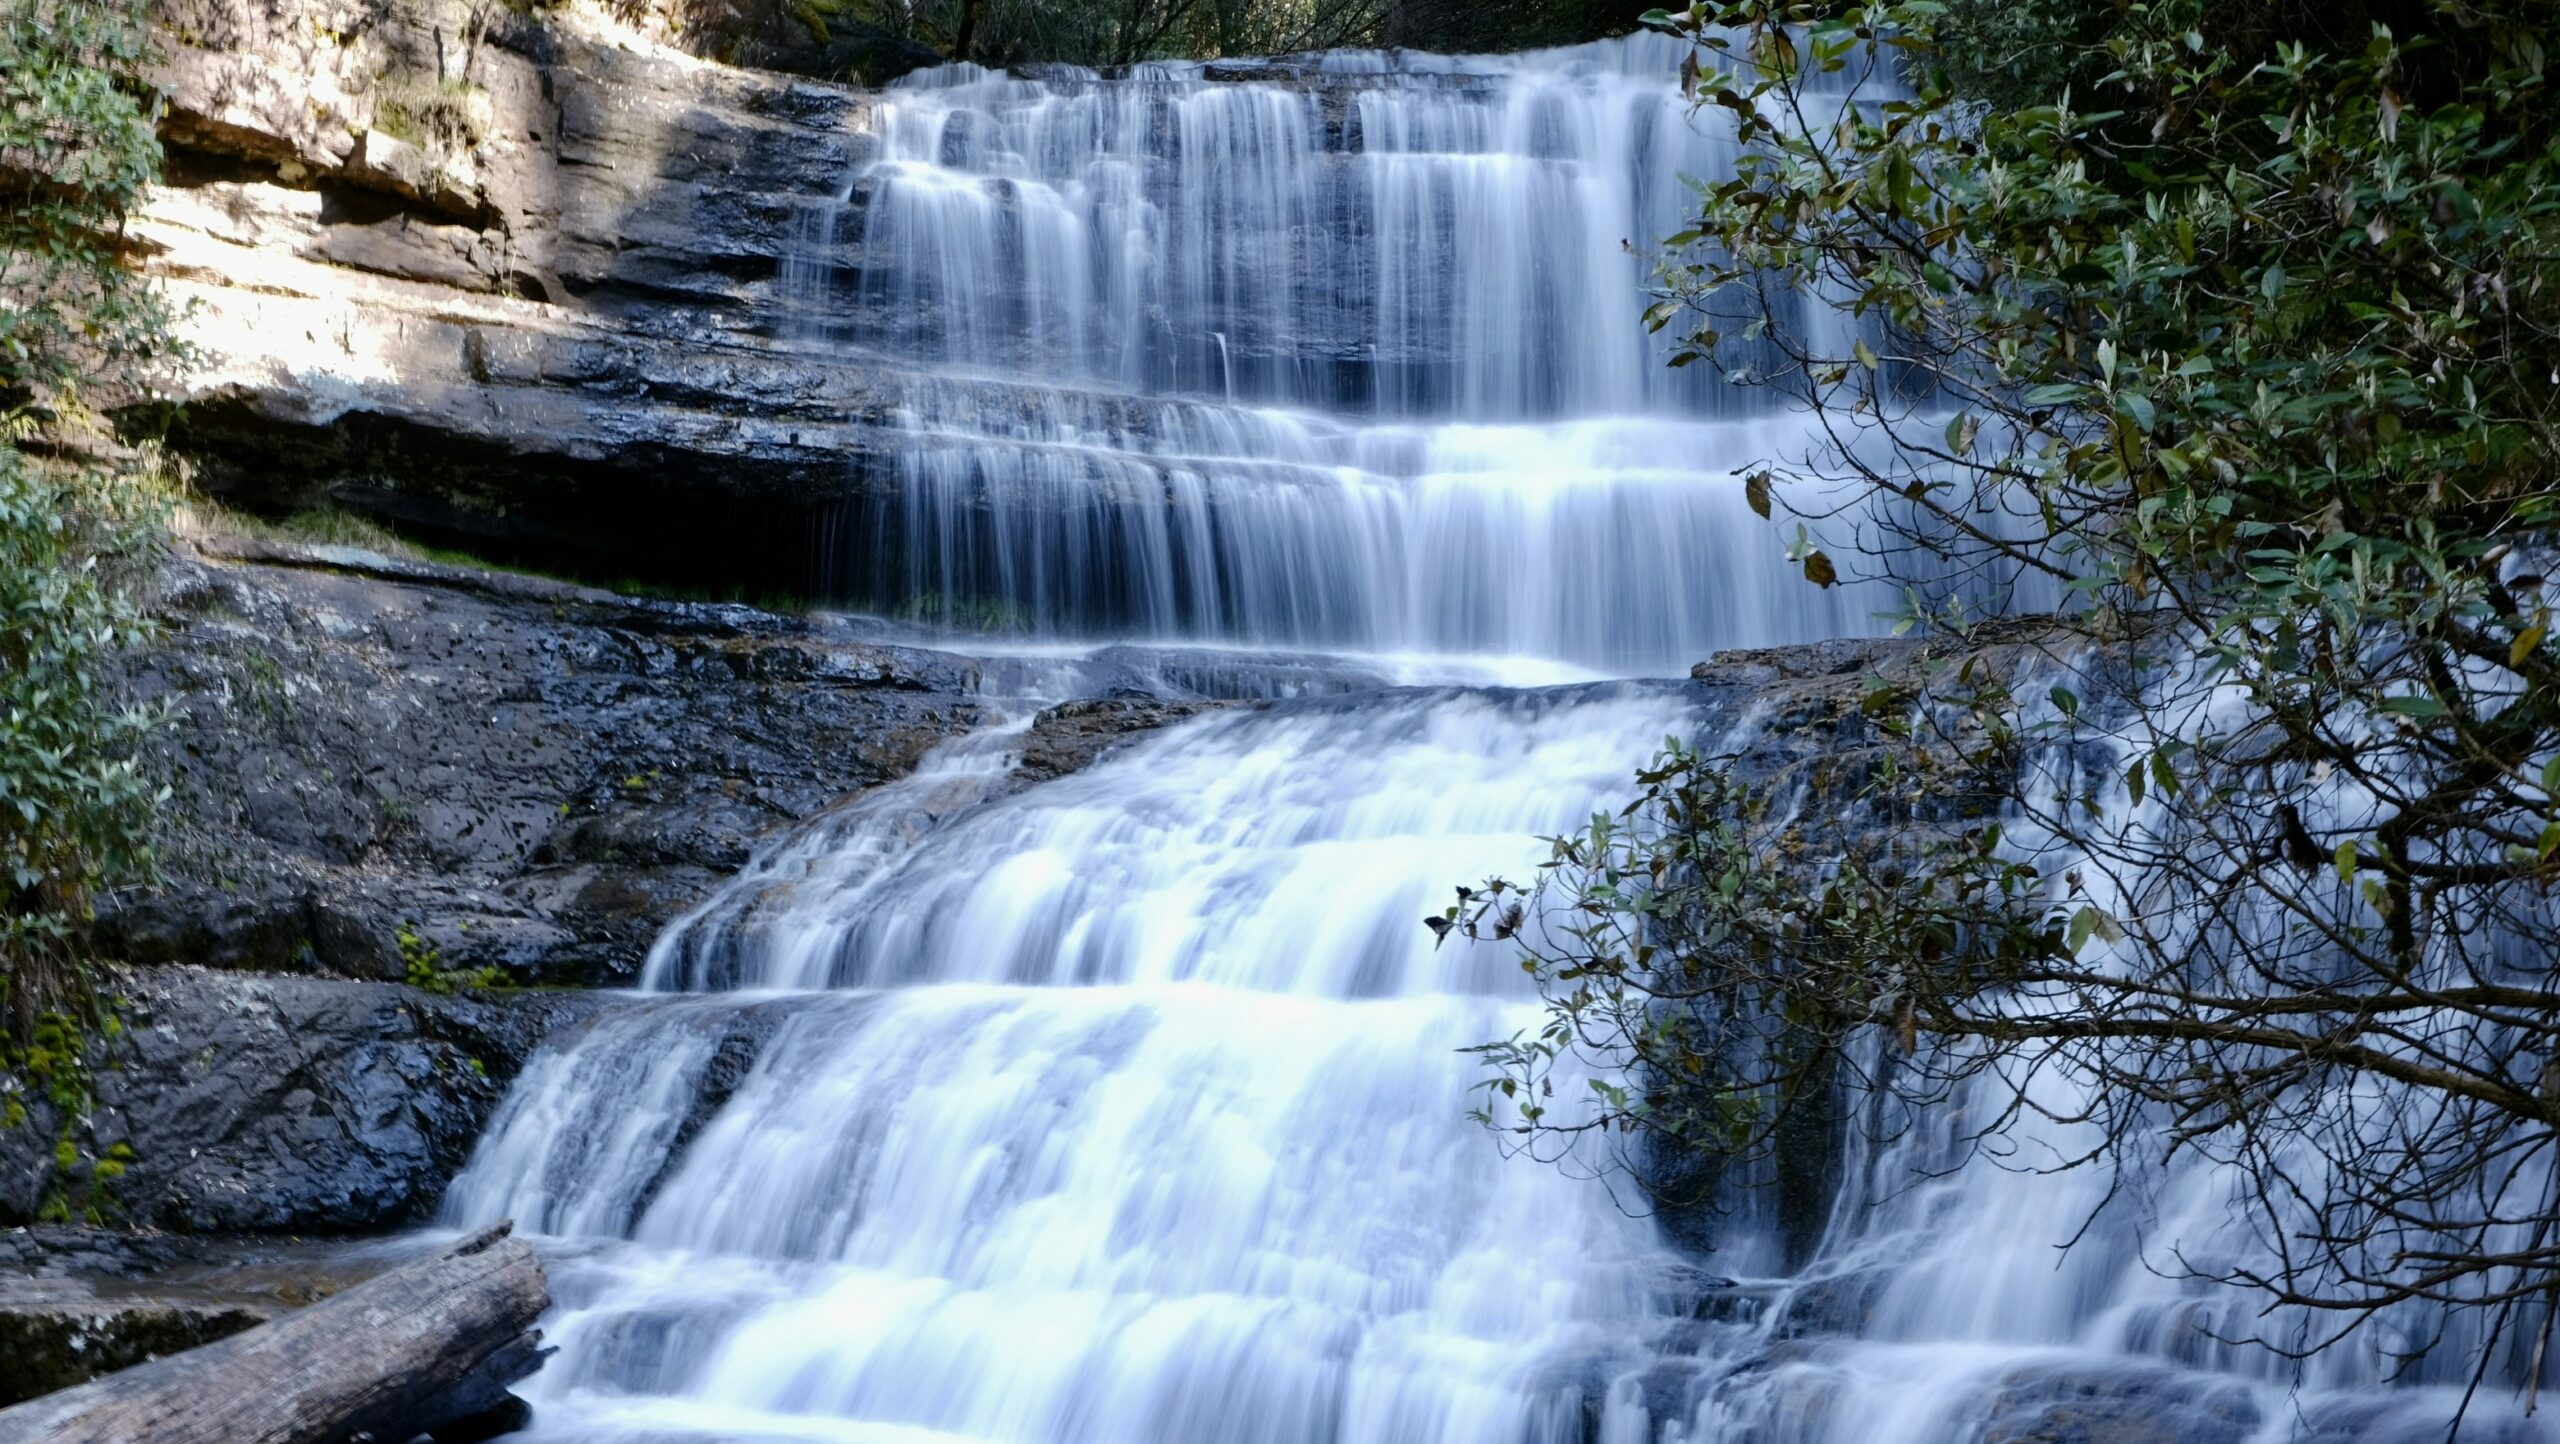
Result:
<point x="2028" y="1289"/>
<point x="1131" y="1107"/>
<point x="1349" y="359"/>
<point x="1128" y="1107"/>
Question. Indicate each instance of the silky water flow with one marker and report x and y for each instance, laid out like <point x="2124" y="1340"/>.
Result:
<point x="1131" y="1108"/>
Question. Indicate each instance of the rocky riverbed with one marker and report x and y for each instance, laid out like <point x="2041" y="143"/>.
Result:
<point x="417" y="813"/>
<point x="423" y="810"/>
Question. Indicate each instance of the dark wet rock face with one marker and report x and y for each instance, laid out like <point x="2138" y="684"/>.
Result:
<point x="1068" y="737"/>
<point x="392" y="782"/>
<point x="1841" y="1303"/>
<point x="2127" y="1405"/>
<point x="1816" y="712"/>
<point x="518" y="775"/>
<point x="284" y="1104"/>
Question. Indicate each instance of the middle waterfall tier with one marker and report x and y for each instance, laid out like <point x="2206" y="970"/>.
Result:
<point x="1284" y="851"/>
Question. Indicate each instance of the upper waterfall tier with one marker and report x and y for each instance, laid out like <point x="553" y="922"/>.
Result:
<point x="1409" y="239"/>
<point x="1344" y="353"/>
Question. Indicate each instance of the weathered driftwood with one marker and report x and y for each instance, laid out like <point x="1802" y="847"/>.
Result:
<point x="414" y="1349"/>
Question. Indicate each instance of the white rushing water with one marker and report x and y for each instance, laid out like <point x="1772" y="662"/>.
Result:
<point x="2023" y="1288"/>
<point x="1158" y="1131"/>
<point x="1346" y="361"/>
<point x="1131" y="1108"/>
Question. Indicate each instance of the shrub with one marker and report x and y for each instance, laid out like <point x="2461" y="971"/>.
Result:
<point x="80" y="332"/>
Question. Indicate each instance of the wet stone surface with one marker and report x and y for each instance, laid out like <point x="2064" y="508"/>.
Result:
<point x="76" y="1302"/>
<point x="283" y="1104"/>
<point x="521" y="776"/>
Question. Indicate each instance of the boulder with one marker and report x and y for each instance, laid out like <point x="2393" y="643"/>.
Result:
<point x="304" y="1105"/>
<point x="2127" y="1404"/>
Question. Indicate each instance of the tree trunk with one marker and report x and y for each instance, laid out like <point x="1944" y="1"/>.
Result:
<point x="428" y="1345"/>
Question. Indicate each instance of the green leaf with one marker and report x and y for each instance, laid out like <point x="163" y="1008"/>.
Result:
<point x="2419" y="706"/>
<point x="2164" y="773"/>
<point x="2089" y="922"/>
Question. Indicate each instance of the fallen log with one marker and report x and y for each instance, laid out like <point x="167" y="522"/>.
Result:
<point x="412" y="1350"/>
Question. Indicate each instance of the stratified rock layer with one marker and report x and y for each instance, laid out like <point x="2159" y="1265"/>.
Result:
<point x="496" y="275"/>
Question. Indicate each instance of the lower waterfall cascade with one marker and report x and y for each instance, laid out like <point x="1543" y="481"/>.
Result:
<point x="1130" y="1107"/>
